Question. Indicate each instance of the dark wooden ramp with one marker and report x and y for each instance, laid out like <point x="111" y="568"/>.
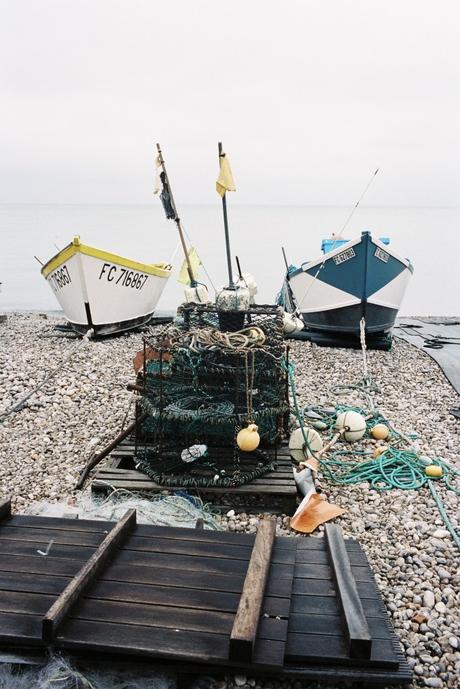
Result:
<point x="275" y="491"/>
<point x="187" y="599"/>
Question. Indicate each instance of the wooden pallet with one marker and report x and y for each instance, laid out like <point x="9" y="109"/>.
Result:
<point x="276" y="491"/>
<point x="193" y="600"/>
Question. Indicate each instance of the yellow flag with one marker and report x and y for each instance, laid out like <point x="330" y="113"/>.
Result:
<point x="225" y="180"/>
<point x="195" y="262"/>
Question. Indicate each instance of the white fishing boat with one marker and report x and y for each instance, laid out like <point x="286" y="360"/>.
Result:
<point x="102" y="292"/>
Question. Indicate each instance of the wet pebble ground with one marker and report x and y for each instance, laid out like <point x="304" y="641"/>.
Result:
<point x="44" y="446"/>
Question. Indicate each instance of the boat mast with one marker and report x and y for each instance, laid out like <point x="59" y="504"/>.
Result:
<point x="357" y="203"/>
<point x="193" y="282"/>
<point x="231" y="284"/>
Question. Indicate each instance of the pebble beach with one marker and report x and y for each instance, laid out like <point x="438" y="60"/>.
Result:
<point x="84" y="403"/>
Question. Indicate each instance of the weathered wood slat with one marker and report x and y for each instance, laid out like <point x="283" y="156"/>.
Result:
<point x="87" y="574"/>
<point x="318" y="648"/>
<point x="357" y="629"/>
<point x="171" y="617"/>
<point x="244" y="631"/>
<point x="71" y="552"/>
<point x="33" y="583"/>
<point x="317" y="605"/>
<point x="59" y="536"/>
<point x="331" y="625"/>
<point x="313" y="571"/>
<point x="321" y="557"/>
<point x="161" y="643"/>
<point x="53" y="523"/>
<point x="39" y="565"/>
<point x="20" y="628"/>
<point x="200" y="599"/>
<point x="136" y="476"/>
<point x="247" y="489"/>
<point x="324" y="587"/>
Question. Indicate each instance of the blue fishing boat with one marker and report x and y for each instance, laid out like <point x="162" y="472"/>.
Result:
<point x="353" y="280"/>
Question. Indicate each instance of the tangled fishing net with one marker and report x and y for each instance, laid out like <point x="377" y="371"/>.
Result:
<point x="159" y="510"/>
<point x="58" y="673"/>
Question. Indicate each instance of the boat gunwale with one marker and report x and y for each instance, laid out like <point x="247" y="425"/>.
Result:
<point x="161" y="270"/>
<point x="308" y="265"/>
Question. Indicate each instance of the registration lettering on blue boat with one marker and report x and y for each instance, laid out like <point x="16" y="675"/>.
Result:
<point x="382" y="255"/>
<point x="344" y="256"/>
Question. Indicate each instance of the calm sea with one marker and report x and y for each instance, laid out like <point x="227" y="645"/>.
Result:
<point x="430" y="237"/>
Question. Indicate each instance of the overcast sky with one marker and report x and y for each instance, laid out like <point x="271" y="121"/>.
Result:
<point x="309" y="97"/>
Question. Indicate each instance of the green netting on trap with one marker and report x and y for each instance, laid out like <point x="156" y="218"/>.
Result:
<point x="201" y="385"/>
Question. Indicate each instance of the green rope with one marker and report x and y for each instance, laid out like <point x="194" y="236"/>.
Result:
<point x="443" y="513"/>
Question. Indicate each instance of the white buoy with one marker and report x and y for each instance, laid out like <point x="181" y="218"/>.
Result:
<point x="196" y="295"/>
<point x="237" y="299"/>
<point x="297" y="442"/>
<point x="354" y="424"/>
<point x="291" y="324"/>
<point x="247" y="281"/>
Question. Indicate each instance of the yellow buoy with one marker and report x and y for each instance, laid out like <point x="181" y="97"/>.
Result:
<point x="380" y="449"/>
<point x="433" y="471"/>
<point x="380" y="431"/>
<point x="248" y="439"/>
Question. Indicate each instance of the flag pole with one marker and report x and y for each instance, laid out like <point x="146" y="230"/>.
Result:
<point x="193" y="282"/>
<point x="231" y="284"/>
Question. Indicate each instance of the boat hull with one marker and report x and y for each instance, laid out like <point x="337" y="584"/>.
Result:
<point x="361" y="279"/>
<point x="104" y="292"/>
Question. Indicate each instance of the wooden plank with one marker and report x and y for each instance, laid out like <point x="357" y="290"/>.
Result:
<point x="17" y="628"/>
<point x="316" y="648"/>
<point x="171" y="617"/>
<point x="138" y="640"/>
<point x="87" y="574"/>
<point x="145" y="530"/>
<point x="5" y="508"/>
<point x="356" y="628"/>
<point x="244" y="631"/>
<point x="199" y="599"/>
<point x="71" y="552"/>
<point x="331" y="625"/>
<point x="321" y="557"/>
<point x="32" y="583"/>
<point x="312" y="571"/>
<point x="279" y="582"/>
<point x="326" y="587"/>
<point x="247" y="489"/>
<point x="316" y="605"/>
<point x="39" y="565"/>
<point x="69" y="524"/>
<point x="59" y="536"/>
<point x="279" y="479"/>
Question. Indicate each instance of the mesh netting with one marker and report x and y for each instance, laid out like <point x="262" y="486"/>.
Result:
<point x="201" y="385"/>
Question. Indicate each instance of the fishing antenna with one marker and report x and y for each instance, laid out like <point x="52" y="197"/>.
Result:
<point x="240" y="274"/>
<point x="358" y="202"/>
<point x="285" y="259"/>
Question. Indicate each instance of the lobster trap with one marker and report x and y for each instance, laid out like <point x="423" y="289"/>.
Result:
<point x="200" y="385"/>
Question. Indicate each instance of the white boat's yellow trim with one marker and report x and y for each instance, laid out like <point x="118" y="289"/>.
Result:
<point x="162" y="270"/>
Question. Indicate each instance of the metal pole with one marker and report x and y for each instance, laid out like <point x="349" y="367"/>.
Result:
<point x="285" y="259"/>
<point x="193" y="282"/>
<point x="239" y="267"/>
<point x="231" y="284"/>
